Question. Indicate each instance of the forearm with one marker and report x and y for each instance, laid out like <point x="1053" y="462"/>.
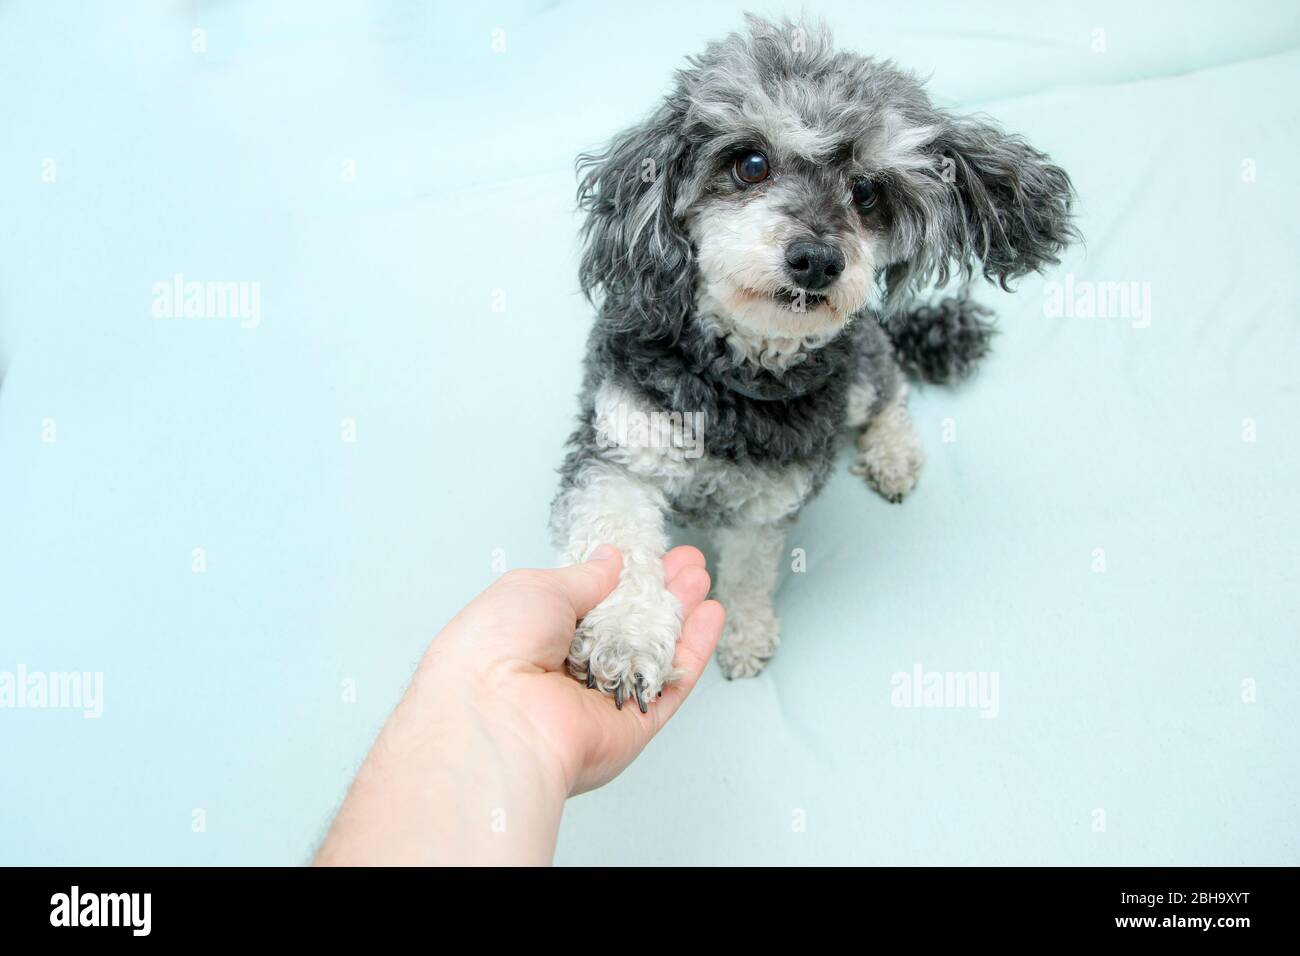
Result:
<point x="448" y="782"/>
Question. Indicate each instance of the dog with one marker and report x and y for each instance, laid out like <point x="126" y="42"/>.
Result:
<point x="759" y="250"/>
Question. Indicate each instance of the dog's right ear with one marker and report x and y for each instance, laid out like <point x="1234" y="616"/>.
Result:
<point x="636" y="252"/>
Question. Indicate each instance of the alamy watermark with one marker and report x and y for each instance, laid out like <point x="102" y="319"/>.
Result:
<point x="950" y="690"/>
<point x="1088" y="299"/>
<point x="179" y="298"/>
<point x="53" y="690"/>
<point x="629" y="427"/>
<point x="129" y="910"/>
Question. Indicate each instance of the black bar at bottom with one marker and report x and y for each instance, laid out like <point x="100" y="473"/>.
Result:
<point x="331" y="907"/>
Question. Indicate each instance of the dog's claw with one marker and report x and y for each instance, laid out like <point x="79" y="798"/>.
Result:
<point x="639" y="689"/>
<point x="618" y="696"/>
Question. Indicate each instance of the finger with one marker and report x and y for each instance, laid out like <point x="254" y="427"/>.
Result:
<point x="690" y="586"/>
<point x="586" y="585"/>
<point x="699" y="639"/>
<point x="700" y="633"/>
<point x="681" y="557"/>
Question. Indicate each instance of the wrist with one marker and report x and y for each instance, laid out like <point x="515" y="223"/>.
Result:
<point x="449" y="782"/>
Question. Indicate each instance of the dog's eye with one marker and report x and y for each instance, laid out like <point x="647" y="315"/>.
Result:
<point x="865" y="194"/>
<point x="751" y="168"/>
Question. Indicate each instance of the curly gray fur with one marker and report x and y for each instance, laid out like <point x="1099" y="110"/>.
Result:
<point x="987" y="203"/>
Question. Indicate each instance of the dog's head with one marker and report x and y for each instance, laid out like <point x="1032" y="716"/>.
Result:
<point x="782" y="183"/>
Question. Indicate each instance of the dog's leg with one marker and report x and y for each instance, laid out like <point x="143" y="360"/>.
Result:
<point x="748" y="558"/>
<point x="889" y="452"/>
<point x="625" y="645"/>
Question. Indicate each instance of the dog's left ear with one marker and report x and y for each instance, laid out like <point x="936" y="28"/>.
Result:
<point x="1012" y="203"/>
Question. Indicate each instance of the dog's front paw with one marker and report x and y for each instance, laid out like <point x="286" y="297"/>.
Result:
<point x="624" y="647"/>
<point x="890" y="458"/>
<point x="749" y="639"/>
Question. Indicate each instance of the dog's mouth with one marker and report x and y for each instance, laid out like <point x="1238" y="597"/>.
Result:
<point x="797" y="300"/>
<point x="788" y="298"/>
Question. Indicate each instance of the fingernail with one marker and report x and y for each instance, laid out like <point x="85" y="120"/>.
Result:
<point x="606" y="552"/>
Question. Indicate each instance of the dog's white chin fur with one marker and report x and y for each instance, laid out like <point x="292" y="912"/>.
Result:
<point x="762" y="330"/>
<point x="763" y="314"/>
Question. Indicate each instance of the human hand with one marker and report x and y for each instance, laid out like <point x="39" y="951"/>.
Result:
<point x="474" y="764"/>
<point x="502" y="659"/>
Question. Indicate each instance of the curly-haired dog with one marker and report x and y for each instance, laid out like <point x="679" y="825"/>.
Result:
<point x="756" y="247"/>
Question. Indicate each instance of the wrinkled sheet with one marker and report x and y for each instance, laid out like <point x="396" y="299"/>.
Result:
<point x="1107" y="523"/>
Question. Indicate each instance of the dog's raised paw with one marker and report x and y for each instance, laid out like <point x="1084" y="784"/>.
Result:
<point x="890" y="459"/>
<point x="624" y="647"/>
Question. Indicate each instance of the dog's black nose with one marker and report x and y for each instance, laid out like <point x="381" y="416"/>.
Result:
<point x="813" y="265"/>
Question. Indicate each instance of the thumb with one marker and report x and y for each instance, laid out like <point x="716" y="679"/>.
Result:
<point x="587" y="584"/>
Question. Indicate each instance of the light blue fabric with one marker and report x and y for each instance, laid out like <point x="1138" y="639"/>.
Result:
<point x="432" y="300"/>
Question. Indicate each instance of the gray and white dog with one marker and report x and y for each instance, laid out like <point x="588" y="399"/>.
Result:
<point x="757" y="248"/>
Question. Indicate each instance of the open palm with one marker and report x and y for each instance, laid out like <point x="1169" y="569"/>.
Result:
<point x="513" y="639"/>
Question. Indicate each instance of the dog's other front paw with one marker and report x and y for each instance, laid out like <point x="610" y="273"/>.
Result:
<point x="625" y="646"/>
<point x="749" y="639"/>
<point x="890" y="458"/>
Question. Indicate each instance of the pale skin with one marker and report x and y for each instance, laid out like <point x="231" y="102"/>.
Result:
<point x="475" y="763"/>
